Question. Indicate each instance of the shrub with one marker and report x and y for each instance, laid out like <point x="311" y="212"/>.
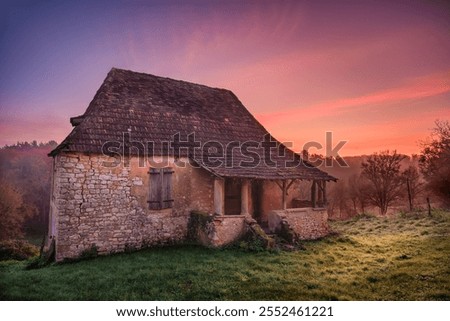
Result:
<point x="198" y="221"/>
<point x="17" y="250"/>
<point x="255" y="239"/>
<point x="45" y="258"/>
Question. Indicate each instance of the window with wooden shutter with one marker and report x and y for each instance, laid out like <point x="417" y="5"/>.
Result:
<point x="160" y="188"/>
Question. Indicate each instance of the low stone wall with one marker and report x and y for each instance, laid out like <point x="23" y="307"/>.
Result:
<point x="308" y="223"/>
<point x="219" y="230"/>
<point x="228" y="228"/>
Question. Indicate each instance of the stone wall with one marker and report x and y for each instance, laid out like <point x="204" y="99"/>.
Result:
<point x="227" y="229"/>
<point x="106" y="207"/>
<point x="308" y="223"/>
<point x="217" y="230"/>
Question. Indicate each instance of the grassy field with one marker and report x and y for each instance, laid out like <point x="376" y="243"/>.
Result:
<point x="401" y="258"/>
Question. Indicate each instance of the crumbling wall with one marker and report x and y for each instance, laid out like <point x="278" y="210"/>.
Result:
<point x="308" y="223"/>
<point x="220" y="230"/>
<point x="227" y="229"/>
<point x="216" y="230"/>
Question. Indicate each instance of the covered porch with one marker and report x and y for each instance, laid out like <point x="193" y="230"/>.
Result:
<point x="244" y="196"/>
<point x="272" y="205"/>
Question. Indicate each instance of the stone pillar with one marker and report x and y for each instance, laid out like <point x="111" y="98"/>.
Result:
<point x="219" y="196"/>
<point x="244" y="197"/>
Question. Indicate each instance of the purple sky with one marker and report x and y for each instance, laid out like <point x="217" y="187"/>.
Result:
<point x="375" y="73"/>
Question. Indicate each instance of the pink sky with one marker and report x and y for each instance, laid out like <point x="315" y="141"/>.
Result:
<point x="376" y="74"/>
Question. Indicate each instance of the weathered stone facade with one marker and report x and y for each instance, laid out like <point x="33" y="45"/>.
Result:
<point x="308" y="223"/>
<point x="106" y="207"/>
<point x="95" y="205"/>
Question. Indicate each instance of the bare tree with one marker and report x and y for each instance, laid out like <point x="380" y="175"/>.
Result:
<point x="435" y="160"/>
<point x="358" y="192"/>
<point x="414" y="184"/>
<point x="12" y="212"/>
<point x="339" y="201"/>
<point x="382" y="170"/>
<point x="25" y="171"/>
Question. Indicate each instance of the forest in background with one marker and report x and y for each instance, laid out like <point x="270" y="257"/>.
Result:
<point x="25" y="172"/>
<point x="349" y="196"/>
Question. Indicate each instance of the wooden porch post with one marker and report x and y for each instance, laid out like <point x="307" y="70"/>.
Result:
<point x="219" y="196"/>
<point x="320" y="194"/>
<point x="284" y="189"/>
<point x="313" y="193"/>
<point x="324" y="185"/>
<point x="244" y="197"/>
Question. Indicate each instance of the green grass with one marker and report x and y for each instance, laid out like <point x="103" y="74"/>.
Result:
<point x="402" y="258"/>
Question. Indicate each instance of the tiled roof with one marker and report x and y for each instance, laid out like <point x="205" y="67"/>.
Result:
<point x="153" y="109"/>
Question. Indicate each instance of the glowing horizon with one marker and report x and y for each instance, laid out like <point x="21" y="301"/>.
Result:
<point x="375" y="74"/>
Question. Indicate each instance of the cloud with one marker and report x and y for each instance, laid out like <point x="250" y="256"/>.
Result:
<point x="366" y="137"/>
<point x="427" y="86"/>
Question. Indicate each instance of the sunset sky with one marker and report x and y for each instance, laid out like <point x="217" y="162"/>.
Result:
<point x="375" y="73"/>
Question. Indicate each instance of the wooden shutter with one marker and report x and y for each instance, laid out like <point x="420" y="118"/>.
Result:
<point x="160" y="195"/>
<point x="167" y="200"/>
<point x="155" y="189"/>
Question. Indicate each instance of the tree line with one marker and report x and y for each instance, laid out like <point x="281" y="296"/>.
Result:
<point x="383" y="180"/>
<point x="25" y="172"/>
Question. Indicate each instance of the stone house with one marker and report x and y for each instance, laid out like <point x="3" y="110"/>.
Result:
<point x="149" y="150"/>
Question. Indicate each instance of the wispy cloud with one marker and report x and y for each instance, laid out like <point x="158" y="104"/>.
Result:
<point x="430" y="85"/>
<point x="301" y="67"/>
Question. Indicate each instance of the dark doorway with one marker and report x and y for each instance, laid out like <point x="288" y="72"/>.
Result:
<point x="257" y="189"/>
<point x="232" y="196"/>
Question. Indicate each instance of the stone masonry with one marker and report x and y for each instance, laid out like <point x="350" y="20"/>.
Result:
<point x="104" y="207"/>
<point x="308" y="223"/>
<point x="221" y="230"/>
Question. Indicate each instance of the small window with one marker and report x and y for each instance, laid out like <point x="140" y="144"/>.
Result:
<point x="160" y="188"/>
